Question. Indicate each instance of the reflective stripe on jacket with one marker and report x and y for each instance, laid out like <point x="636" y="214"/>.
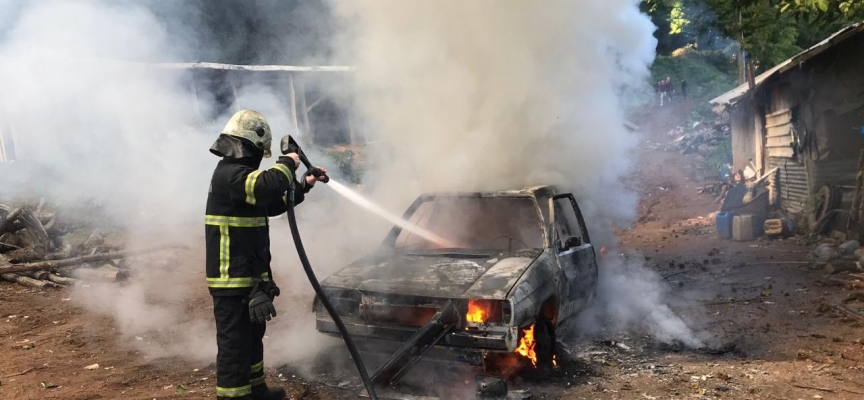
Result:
<point x="236" y="230"/>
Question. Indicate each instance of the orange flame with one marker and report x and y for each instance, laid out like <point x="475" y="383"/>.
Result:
<point x="476" y="313"/>
<point x="526" y="345"/>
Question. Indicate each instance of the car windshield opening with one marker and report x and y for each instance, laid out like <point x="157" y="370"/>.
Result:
<point x="481" y="223"/>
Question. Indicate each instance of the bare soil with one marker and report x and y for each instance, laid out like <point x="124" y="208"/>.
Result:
<point x="778" y="334"/>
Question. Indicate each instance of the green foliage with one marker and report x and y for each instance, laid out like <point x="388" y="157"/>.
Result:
<point x="348" y="164"/>
<point x="677" y="19"/>
<point x="823" y="10"/>
<point x="721" y="155"/>
<point x="770" y="31"/>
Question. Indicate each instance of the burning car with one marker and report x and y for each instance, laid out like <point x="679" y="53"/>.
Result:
<point x="494" y="272"/>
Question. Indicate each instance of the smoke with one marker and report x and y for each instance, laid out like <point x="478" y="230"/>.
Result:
<point x="451" y="96"/>
<point x="94" y="124"/>
<point x="633" y="298"/>
<point x="484" y="95"/>
<point x="488" y="96"/>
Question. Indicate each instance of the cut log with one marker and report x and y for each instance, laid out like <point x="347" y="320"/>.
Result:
<point x="64" y="253"/>
<point x="35" y="226"/>
<point x="4" y="247"/>
<point x="105" y="273"/>
<point x="41" y="275"/>
<point x="61" y="279"/>
<point x="10" y="219"/>
<point x="56" y="264"/>
<point x="27" y="281"/>
<point x="27" y="254"/>
<point x="841" y="266"/>
<point x="49" y="223"/>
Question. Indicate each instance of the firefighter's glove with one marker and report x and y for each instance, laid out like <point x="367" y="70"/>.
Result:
<point x="291" y="160"/>
<point x="261" y="304"/>
<point x="270" y="288"/>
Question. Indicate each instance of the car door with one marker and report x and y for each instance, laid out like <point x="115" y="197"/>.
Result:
<point x="575" y="255"/>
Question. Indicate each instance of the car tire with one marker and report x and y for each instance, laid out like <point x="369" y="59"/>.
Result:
<point x="544" y="335"/>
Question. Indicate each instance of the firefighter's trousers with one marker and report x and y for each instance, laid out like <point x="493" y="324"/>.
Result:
<point x="240" y="361"/>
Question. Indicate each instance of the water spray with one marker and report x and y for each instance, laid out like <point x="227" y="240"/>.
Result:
<point x="361" y="201"/>
<point x="288" y="145"/>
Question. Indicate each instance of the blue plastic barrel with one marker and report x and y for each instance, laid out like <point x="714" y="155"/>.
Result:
<point x="724" y="224"/>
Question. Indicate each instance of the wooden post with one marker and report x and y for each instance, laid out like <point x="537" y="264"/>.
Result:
<point x="293" y="97"/>
<point x="301" y="103"/>
<point x="3" y="156"/>
<point x="195" y="96"/>
<point x="857" y="207"/>
<point x="236" y="99"/>
<point x="2" y="143"/>
<point x="351" y="134"/>
<point x="357" y="138"/>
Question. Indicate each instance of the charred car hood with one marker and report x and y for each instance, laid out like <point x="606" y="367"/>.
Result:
<point x="489" y="275"/>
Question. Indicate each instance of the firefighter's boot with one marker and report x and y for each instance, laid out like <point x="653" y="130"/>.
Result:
<point x="262" y="392"/>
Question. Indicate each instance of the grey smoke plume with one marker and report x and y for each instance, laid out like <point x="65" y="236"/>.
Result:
<point x="451" y="96"/>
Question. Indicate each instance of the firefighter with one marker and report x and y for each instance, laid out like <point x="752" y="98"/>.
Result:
<point x="240" y="199"/>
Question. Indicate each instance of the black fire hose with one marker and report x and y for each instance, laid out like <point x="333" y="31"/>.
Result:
<point x="301" y="251"/>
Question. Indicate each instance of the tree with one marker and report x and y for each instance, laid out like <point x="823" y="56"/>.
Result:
<point x="768" y="35"/>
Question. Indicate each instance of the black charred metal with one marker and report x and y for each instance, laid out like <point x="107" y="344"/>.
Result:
<point x="417" y="346"/>
<point x="491" y="388"/>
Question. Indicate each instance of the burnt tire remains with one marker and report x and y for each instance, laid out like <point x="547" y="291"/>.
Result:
<point x="544" y="335"/>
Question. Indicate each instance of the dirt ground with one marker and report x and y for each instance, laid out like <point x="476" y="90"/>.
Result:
<point x="777" y="333"/>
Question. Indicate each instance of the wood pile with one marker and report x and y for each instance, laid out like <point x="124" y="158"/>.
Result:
<point x="33" y="254"/>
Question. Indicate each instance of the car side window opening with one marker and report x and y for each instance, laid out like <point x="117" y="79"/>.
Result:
<point x="568" y="232"/>
<point x="481" y="223"/>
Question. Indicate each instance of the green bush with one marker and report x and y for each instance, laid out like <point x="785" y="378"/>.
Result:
<point x="721" y="154"/>
<point x="348" y="165"/>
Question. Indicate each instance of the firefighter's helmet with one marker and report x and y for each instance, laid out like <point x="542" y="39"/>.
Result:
<point x="252" y="126"/>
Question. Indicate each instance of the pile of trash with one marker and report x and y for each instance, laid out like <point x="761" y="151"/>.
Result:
<point x="701" y="138"/>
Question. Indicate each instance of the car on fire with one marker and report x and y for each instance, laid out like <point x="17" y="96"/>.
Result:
<point x="517" y="266"/>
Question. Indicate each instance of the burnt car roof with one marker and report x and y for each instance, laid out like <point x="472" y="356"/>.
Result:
<point x="530" y="191"/>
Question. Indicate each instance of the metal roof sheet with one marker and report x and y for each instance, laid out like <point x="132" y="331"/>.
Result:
<point x="734" y="95"/>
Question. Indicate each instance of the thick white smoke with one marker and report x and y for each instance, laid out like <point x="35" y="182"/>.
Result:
<point x="452" y="96"/>
<point x="487" y="95"/>
<point x="128" y="137"/>
<point x="95" y="122"/>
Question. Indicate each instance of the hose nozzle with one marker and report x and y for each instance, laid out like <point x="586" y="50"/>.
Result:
<point x="289" y="145"/>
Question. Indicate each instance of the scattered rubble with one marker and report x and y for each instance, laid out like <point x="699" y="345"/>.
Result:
<point x="701" y="138"/>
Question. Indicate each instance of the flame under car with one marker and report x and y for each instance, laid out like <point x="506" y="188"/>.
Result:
<point x="521" y="266"/>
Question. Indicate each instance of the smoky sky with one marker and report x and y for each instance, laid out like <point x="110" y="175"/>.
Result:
<point x="290" y="32"/>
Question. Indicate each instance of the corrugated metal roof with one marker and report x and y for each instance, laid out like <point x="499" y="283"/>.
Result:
<point x="734" y="95"/>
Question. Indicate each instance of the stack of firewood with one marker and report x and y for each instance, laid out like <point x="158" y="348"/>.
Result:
<point x="33" y="254"/>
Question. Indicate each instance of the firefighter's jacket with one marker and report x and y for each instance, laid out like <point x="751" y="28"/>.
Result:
<point x="237" y="234"/>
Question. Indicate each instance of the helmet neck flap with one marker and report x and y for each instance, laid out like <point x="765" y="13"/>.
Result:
<point x="236" y="147"/>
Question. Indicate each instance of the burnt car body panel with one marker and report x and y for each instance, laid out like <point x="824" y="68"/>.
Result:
<point x="390" y="293"/>
<point x="460" y="278"/>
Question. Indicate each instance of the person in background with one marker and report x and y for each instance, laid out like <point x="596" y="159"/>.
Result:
<point x="670" y="89"/>
<point x="684" y="88"/>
